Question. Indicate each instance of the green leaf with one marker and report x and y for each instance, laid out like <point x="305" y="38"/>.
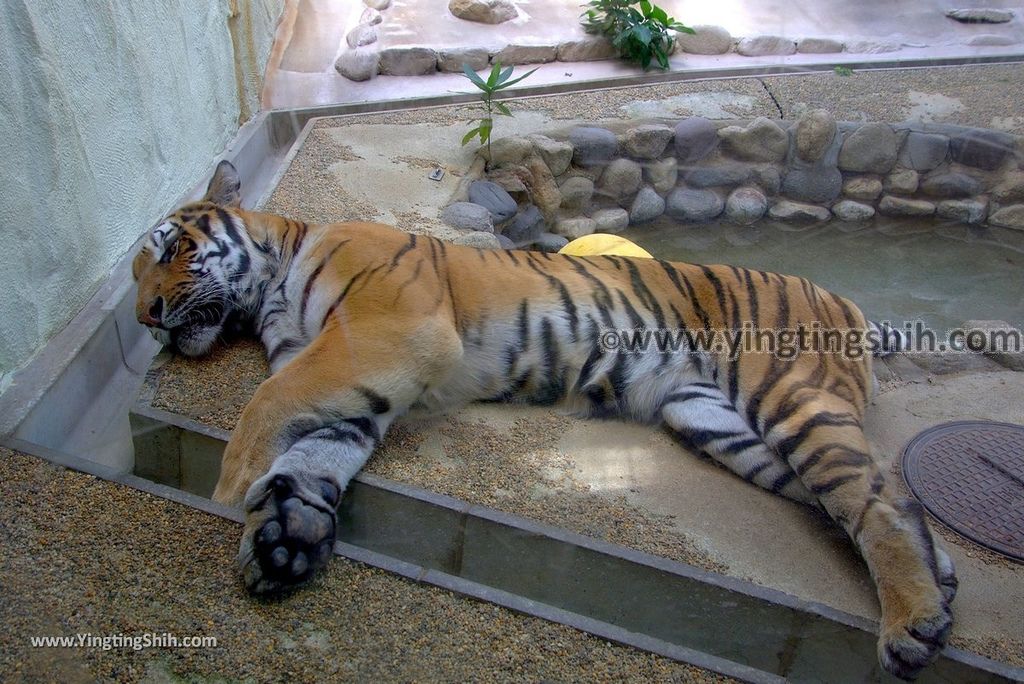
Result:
<point x="492" y="80"/>
<point x="503" y="108"/>
<point x="642" y="33"/>
<point x="505" y="74"/>
<point x="486" y="125"/>
<point x="645" y="7"/>
<point x="472" y="76"/>
<point x="469" y="136"/>
<point x="515" y="80"/>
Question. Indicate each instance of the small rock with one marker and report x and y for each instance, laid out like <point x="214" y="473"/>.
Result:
<point x="759" y="46"/>
<point x="549" y="242"/>
<point x="408" y="61"/>
<point x="379" y="5"/>
<point x="815" y="132"/>
<point x="504" y="242"/>
<point x="863" y="188"/>
<point x="592" y="145"/>
<point x="902" y="182"/>
<point x="555" y="153"/>
<point x="480" y="240"/>
<point x="923" y="151"/>
<point x="981" y="148"/>
<point x="620" y="179"/>
<point x="869" y="149"/>
<point x="871" y="47"/>
<point x="483" y="11"/>
<point x="494" y="198"/>
<point x="467" y="216"/>
<point x="696" y="138"/>
<point x="818" y="46"/>
<point x="525" y="54"/>
<point x="964" y="211"/>
<point x="977" y="15"/>
<point x="1010" y="188"/>
<point x="991" y="40"/>
<point x="950" y="185"/>
<point x="745" y="205"/>
<point x="573" y="228"/>
<point x="769" y="178"/>
<point x="359" y="65"/>
<point x="576" y="192"/>
<point x="796" y="212"/>
<point x="451" y="60"/>
<point x="763" y="140"/>
<point x="662" y="174"/>
<point x="613" y="220"/>
<point x="526" y="226"/>
<point x="510" y="150"/>
<point x="590" y="49"/>
<point x="543" y="188"/>
<point x="852" y="212"/>
<point x="371" y="16"/>
<point x="705" y="40"/>
<point x="901" y="206"/>
<point x="687" y="204"/>
<point x="646" y="141"/>
<point x="1009" y="217"/>
<point x="820" y="184"/>
<point x="728" y="173"/>
<point x="647" y="205"/>
<point x="363" y="34"/>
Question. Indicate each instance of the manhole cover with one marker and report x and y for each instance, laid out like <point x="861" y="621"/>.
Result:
<point x="970" y="475"/>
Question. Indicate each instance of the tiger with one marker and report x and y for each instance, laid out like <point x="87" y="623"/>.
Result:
<point x="363" y="323"/>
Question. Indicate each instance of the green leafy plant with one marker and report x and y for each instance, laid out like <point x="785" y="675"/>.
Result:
<point x="497" y="80"/>
<point x="843" y="71"/>
<point x="641" y="31"/>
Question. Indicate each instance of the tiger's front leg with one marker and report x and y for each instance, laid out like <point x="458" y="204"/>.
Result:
<point x="309" y="429"/>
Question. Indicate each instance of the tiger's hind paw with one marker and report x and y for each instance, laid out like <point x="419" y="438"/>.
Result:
<point x="289" y="531"/>
<point x="905" y="650"/>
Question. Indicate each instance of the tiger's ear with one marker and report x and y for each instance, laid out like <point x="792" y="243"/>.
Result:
<point x="224" y="187"/>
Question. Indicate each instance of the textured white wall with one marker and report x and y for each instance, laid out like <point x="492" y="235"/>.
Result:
<point x="110" y="110"/>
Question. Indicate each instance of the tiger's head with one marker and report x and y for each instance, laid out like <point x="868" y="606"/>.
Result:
<point x="188" y="269"/>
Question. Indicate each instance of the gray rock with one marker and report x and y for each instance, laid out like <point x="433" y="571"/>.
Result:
<point x="510" y="150"/>
<point x="451" y="60"/>
<point x="902" y="182"/>
<point x="526" y="227"/>
<point x="728" y="173"/>
<point x="852" y="212"/>
<point x="869" y="149"/>
<point x="479" y="240"/>
<point x="620" y="179"/>
<point x="871" y="47"/>
<point x="483" y="11"/>
<point x="1009" y="217"/>
<point x="706" y="40"/>
<point x="769" y="178"/>
<point x="359" y="65"/>
<point x="646" y="141"/>
<point x="662" y="174"/>
<point x="504" y="242"/>
<point x="991" y="40"/>
<point x="686" y="204"/>
<point x="576" y="192"/>
<point x="818" y="46"/>
<point x="923" y="151"/>
<point x="964" y="211"/>
<point x="468" y="216"/>
<point x="378" y="5"/>
<point x="555" y="153"/>
<point x="862" y="188"/>
<point x="901" y="206"/>
<point x="1010" y="188"/>
<point x="999" y="347"/>
<point x="549" y="242"/>
<point x="362" y="34"/>
<point x="819" y="184"/>
<point x="796" y="212"/>
<point x="408" y="61"/>
<point x="590" y="49"/>
<point x="696" y="138"/>
<point x="763" y="140"/>
<point x="975" y="15"/>
<point x="525" y="54"/>
<point x="573" y="228"/>
<point x="814" y="134"/>
<point x="981" y="148"/>
<point x="371" y="16"/>
<point x="491" y="195"/>
<point x="745" y="205"/>
<point x="759" y="46"/>
<point x="592" y="145"/>
<point x="543" y="188"/>
<point x="647" y="205"/>
<point x="613" y="220"/>
<point x="950" y="185"/>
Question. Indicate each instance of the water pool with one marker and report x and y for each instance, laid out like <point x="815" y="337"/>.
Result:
<point x="896" y="270"/>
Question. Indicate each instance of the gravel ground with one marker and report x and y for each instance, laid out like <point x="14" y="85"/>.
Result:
<point x="152" y="566"/>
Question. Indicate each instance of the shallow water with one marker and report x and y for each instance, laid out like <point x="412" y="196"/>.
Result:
<point x="898" y="271"/>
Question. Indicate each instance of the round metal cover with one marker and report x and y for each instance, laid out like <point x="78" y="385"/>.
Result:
<point x="970" y="475"/>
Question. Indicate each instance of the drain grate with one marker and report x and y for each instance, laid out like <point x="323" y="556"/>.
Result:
<point x="970" y="475"/>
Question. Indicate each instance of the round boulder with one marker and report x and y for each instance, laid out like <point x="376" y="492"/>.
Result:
<point x="745" y="205"/>
<point x="620" y="179"/>
<point x="763" y="140"/>
<point x="359" y="65"/>
<point x="852" y="212"/>
<point x="611" y="220"/>
<point x="483" y="11"/>
<point x="591" y="145"/>
<point x="467" y="216"/>
<point x="815" y="131"/>
<point x="647" y="205"/>
<point x="869" y="149"/>
<point x="576" y="192"/>
<point x="646" y="141"/>
<point x="706" y="39"/>
<point x="696" y="138"/>
<point x="686" y="204"/>
<point x="494" y="198"/>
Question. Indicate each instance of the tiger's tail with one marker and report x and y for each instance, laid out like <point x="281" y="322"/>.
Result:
<point x="888" y="340"/>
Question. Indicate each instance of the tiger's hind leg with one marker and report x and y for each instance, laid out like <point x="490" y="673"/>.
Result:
<point x="821" y="437"/>
<point x="707" y="421"/>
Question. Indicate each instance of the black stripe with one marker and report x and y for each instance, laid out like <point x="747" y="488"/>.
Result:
<point x="402" y="252"/>
<point x="312" y="279"/>
<point x="378" y="403"/>
<point x="634" y="317"/>
<point x="367" y="426"/>
<point x="830" y="485"/>
<point x="645" y="295"/>
<point x="824" y="419"/>
<point x="701" y="438"/>
<point x="782" y="480"/>
<point x="341" y="297"/>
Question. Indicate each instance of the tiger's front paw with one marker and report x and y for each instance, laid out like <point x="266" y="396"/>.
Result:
<point x="905" y="649"/>
<point x="289" y="530"/>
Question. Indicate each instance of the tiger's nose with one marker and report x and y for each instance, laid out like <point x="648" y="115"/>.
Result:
<point x="152" y="317"/>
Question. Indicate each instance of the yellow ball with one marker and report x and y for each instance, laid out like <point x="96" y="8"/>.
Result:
<point x="603" y="243"/>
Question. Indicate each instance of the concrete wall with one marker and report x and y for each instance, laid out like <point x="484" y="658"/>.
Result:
<point x="111" y="109"/>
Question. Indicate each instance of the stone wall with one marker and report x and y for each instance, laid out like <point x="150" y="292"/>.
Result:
<point x="543" y="190"/>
